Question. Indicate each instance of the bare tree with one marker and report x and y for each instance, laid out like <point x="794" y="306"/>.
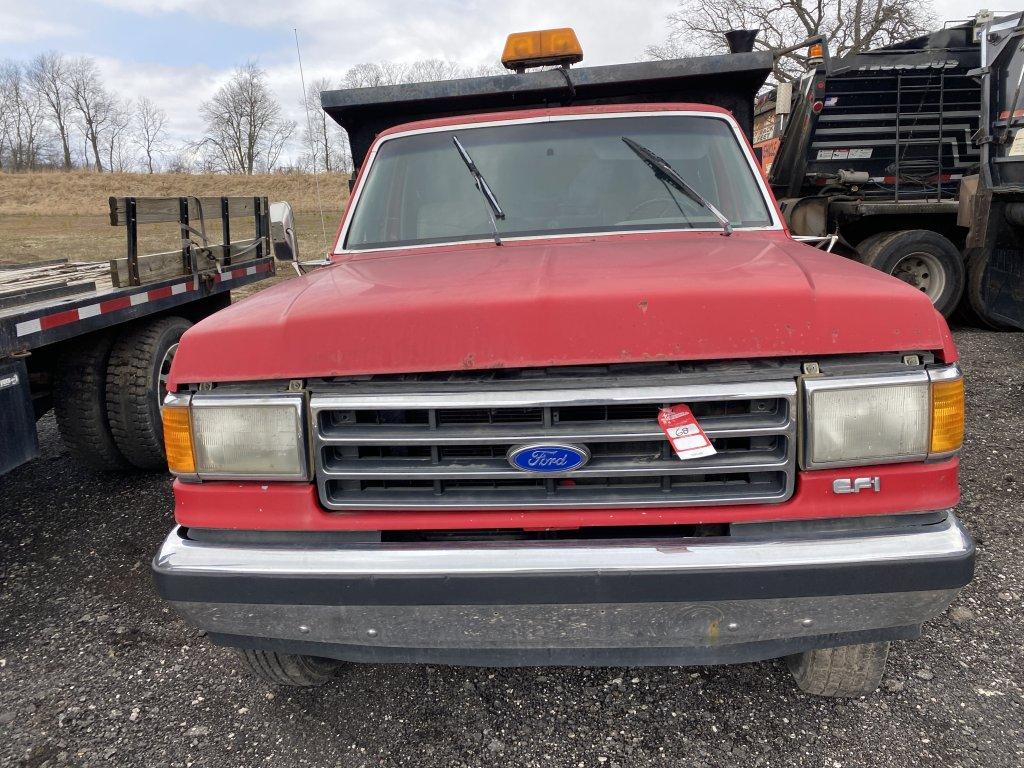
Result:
<point x="326" y="144"/>
<point x="246" y="129"/>
<point x="48" y="77"/>
<point x="150" y="129"/>
<point x="372" y="75"/>
<point x="23" y="118"/>
<point x="92" y="102"/>
<point x="115" y="134"/>
<point x="851" y="26"/>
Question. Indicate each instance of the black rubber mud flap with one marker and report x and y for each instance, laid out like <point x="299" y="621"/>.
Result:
<point x="18" y="441"/>
<point x="995" y="286"/>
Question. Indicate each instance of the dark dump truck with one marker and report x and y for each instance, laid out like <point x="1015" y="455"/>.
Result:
<point x="94" y="341"/>
<point x="912" y="156"/>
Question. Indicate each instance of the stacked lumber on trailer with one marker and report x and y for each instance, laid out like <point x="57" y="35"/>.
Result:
<point x="28" y="283"/>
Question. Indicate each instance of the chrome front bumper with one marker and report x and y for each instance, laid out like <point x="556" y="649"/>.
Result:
<point x="664" y="601"/>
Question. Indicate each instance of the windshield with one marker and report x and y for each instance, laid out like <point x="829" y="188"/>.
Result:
<point x="558" y="177"/>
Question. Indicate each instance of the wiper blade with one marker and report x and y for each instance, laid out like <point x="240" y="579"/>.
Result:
<point x="667" y="173"/>
<point x="481" y="184"/>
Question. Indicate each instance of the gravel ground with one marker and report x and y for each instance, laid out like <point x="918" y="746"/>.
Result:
<point x="94" y="670"/>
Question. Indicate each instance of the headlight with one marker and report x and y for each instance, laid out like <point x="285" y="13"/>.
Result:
<point x="235" y="437"/>
<point x="854" y="420"/>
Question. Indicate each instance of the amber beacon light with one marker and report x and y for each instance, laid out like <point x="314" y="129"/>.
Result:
<point x="541" y="48"/>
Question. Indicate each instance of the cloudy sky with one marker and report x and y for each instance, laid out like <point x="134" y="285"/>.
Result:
<point x="178" y="52"/>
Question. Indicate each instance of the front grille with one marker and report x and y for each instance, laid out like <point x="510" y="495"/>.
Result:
<point x="439" y="450"/>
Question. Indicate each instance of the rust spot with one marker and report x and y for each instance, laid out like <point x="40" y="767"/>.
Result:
<point x="468" y="361"/>
<point x="643" y="306"/>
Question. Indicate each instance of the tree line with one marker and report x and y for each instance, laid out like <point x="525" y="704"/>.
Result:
<point x="56" y="113"/>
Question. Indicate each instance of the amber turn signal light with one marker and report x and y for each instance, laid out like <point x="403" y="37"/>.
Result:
<point x="947" y="415"/>
<point x="541" y="48"/>
<point x="178" y="440"/>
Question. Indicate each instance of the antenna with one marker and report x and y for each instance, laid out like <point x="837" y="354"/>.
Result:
<point x="309" y="130"/>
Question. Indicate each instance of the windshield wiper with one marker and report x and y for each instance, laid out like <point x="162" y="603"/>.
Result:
<point x="485" y="189"/>
<point x="667" y="173"/>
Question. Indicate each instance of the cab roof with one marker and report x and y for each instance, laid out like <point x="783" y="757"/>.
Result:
<point x="730" y="81"/>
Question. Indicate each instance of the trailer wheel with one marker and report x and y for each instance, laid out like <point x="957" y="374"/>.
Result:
<point x="849" y="670"/>
<point x="80" y="404"/>
<point x="922" y="258"/>
<point x="136" y="378"/>
<point x="289" y="668"/>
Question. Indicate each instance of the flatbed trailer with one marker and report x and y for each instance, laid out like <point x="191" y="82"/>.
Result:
<point x="94" y="340"/>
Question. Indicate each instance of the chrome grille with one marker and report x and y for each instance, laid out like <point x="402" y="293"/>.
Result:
<point x="439" y="450"/>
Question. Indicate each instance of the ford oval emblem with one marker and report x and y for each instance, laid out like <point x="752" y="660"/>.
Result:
<point x="545" y="457"/>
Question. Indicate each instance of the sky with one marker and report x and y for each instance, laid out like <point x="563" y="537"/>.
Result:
<point x="178" y="52"/>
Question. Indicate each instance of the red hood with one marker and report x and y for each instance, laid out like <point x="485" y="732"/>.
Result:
<point x="628" y="298"/>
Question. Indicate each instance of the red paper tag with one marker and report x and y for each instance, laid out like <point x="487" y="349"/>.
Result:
<point x="682" y="430"/>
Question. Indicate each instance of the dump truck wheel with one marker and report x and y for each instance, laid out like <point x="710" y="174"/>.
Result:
<point x="924" y="259"/>
<point x="136" y="374"/>
<point x="80" y="404"/>
<point x="288" y="668"/>
<point x="867" y="246"/>
<point x="849" y="670"/>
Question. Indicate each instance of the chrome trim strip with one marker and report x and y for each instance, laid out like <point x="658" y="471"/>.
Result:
<point x="747" y="461"/>
<point x="180" y="555"/>
<point x="945" y="373"/>
<point x="714" y="426"/>
<point x="784" y="388"/>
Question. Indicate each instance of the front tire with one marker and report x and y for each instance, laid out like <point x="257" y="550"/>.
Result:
<point x="289" y="668"/>
<point x="135" y="375"/>
<point x="846" y="671"/>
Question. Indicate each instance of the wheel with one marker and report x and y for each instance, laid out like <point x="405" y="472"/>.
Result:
<point x="80" y="404"/>
<point x="867" y="246"/>
<point x="136" y="384"/>
<point x="289" y="668"/>
<point x="923" y="259"/>
<point x="849" y="670"/>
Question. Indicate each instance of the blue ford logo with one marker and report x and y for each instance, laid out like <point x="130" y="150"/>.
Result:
<point x="548" y="458"/>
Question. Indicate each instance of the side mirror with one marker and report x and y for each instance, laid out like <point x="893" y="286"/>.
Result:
<point x="282" y="232"/>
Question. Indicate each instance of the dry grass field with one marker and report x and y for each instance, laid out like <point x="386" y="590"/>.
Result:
<point x="52" y="215"/>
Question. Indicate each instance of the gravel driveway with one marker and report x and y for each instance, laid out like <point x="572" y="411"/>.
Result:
<point x="94" y="670"/>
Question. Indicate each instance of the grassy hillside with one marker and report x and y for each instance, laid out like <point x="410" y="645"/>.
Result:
<point x="52" y="215"/>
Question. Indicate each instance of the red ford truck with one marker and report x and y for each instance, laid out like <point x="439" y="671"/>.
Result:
<point x="568" y="392"/>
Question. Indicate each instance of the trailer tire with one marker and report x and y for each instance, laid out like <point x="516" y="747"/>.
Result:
<point x="289" y="668"/>
<point x="922" y="258"/>
<point x="846" y="671"/>
<point x="133" y="386"/>
<point x="80" y="404"/>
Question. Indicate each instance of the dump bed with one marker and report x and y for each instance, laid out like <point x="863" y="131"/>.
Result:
<point x="730" y="81"/>
<point x="904" y="115"/>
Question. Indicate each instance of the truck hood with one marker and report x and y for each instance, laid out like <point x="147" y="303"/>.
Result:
<point x="629" y="298"/>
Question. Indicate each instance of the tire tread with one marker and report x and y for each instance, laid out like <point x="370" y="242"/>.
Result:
<point x="288" y="669"/>
<point x="129" y="394"/>
<point x="80" y="407"/>
<point x="846" y="671"/>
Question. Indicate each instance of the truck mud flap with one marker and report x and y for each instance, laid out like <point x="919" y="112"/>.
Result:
<point x="18" y="442"/>
<point x="995" y="273"/>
